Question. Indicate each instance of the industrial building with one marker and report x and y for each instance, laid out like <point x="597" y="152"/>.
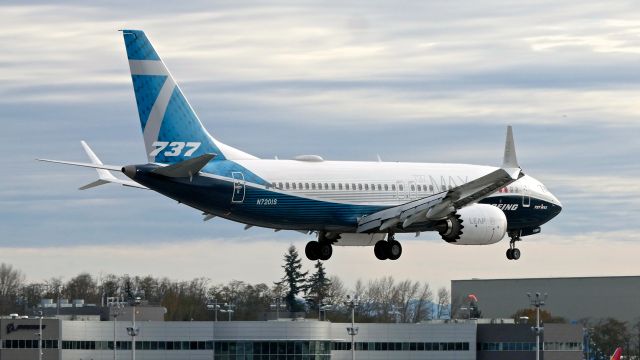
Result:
<point x="574" y="299"/>
<point x="303" y="339"/>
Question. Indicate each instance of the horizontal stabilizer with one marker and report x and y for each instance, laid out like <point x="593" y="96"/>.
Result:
<point x="89" y="165"/>
<point x="187" y="168"/>
<point x="93" y="184"/>
<point x="104" y="171"/>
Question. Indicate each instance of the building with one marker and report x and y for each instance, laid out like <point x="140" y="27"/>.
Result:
<point x="571" y="298"/>
<point x="75" y="340"/>
<point x="502" y="342"/>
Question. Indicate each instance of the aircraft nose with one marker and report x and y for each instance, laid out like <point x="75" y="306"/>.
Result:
<point x="556" y="206"/>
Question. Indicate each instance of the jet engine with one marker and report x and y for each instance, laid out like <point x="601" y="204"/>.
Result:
<point x="478" y="224"/>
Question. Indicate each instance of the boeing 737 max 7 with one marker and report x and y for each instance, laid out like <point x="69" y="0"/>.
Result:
<point x="343" y="202"/>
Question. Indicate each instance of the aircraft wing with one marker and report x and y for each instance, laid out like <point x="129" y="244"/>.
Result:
<point x="439" y="206"/>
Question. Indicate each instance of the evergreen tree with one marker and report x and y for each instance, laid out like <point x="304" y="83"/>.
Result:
<point x="294" y="279"/>
<point x="318" y="285"/>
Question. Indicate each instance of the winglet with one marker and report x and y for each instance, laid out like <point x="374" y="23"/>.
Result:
<point x="510" y="160"/>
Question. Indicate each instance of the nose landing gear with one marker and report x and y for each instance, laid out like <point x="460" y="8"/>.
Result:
<point x="513" y="253"/>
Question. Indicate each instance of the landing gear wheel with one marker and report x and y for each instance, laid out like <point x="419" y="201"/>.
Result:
<point x="380" y="250"/>
<point x="312" y="250"/>
<point x="394" y="250"/>
<point x="510" y="254"/>
<point x="325" y="250"/>
<point x="515" y="253"/>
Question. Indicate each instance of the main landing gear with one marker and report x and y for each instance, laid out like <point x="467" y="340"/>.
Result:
<point x="513" y="253"/>
<point x="388" y="249"/>
<point x="319" y="250"/>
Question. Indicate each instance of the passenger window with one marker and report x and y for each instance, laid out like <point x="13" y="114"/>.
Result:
<point x="300" y="186"/>
<point x="366" y="186"/>
<point x="339" y="186"/>
<point x="419" y="187"/>
<point x="386" y="187"/>
<point x="413" y="188"/>
<point x="287" y="185"/>
<point x="306" y="186"/>
<point x="279" y="185"/>
<point x="313" y="186"/>
<point x="401" y="187"/>
<point x="326" y="186"/>
<point x="353" y="186"/>
<point x="431" y="188"/>
<point x="393" y="187"/>
<point x="444" y="188"/>
<point x="293" y="185"/>
<point x="333" y="186"/>
<point x="359" y="186"/>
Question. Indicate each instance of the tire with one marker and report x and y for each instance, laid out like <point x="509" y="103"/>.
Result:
<point x="312" y="250"/>
<point x="515" y="254"/>
<point x="509" y="254"/>
<point x="380" y="250"/>
<point x="394" y="250"/>
<point x="325" y="250"/>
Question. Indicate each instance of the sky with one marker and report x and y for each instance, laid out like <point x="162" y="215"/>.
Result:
<point x="426" y="81"/>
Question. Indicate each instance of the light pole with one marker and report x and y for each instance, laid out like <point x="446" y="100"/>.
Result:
<point x="538" y="301"/>
<point x="277" y="305"/>
<point x="228" y="309"/>
<point x="40" y="313"/>
<point x="352" y="303"/>
<point x="133" y="331"/>
<point x="212" y="305"/>
<point x="323" y="308"/>
<point x="116" y="307"/>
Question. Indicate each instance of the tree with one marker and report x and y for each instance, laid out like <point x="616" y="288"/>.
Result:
<point x="608" y="334"/>
<point x="294" y="279"/>
<point x="422" y="307"/>
<point x="11" y="282"/>
<point x="82" y="287"/>
<point x="318" y="285"/>
<point x="442" y="309"/>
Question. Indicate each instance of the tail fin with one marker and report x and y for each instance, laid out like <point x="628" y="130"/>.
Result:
<point x="171" y="129"/>
<point x="617" y="355"/>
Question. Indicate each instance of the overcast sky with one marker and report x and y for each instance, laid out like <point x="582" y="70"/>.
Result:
<point x="431" y="81"/>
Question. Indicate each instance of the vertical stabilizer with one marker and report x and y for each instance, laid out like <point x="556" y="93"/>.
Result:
<point x="171" y="129"/>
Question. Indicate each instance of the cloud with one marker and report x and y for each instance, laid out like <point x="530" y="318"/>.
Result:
<point x="419" y="81"/>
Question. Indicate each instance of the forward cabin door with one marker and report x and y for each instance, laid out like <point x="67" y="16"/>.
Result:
<point x="238" y="187"/>
<point x="526" y="197"/>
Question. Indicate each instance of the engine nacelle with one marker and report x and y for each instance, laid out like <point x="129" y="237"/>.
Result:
<point x="478" y="224"/>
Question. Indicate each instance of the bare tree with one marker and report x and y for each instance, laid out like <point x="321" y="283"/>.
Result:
<point x="11" y="283"/>
<point x="422" y="307"/>
<point x="443" y="303"/>
<point x="336" y="292"/>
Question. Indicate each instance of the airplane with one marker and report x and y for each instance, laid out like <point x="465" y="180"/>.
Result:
<point x="345" y="203"/>
<point x="617" y="355"/>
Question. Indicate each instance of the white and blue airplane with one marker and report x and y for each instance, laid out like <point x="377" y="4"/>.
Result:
<point x="346" y="203"/>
